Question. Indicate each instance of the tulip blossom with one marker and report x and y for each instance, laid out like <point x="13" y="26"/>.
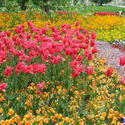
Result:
<point x="122" y="61"/>
<point x="93" y="35"/>
<point x="20" y="67"/>
<point x="89" y="70"/>
<point x="88" y="53"/>
<point x="3" y="87"/>
<point x="91" y="57"/>
<point x="39" y="68"/>
<point x="41" y="85"/>
<point x="123" y="80"/>
<point x="106" y="13"/>
<point x="109" y="71"/>
<point x="57" y="59"/>
<point x="94" y="50"/>
<point x="74" y="63"/>
<point x="75" y="74"/>
<point x="77" y="70"/>
<point x="92" y="43"/>
<point x="8" y="71"/>
<point x="77" y="23"/>
<point x="2" y="56"/>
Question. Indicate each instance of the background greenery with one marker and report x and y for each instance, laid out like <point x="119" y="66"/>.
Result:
<point x="50" y="6"/>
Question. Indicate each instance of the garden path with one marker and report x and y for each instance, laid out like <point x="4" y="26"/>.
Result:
<point x="112" y="55"/>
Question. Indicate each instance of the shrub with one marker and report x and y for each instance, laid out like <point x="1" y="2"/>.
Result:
<point x="101" y="2"/>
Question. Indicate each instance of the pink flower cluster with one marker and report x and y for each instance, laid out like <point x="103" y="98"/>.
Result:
<point x="32" y="49"/>
<point x="106" y="13"/>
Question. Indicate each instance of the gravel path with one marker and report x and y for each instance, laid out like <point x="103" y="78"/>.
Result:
<point x="112" y="55"/>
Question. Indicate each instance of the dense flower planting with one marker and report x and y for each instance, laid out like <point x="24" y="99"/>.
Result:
<point x="107" y="13"/>
<point x="52" y="75"/>
<point x="50" y="72"/>
<point x="113" y="34"/>
<point x="111" y="29"/>
<point x="10" y="20"/>
<point x="38" y="51"/>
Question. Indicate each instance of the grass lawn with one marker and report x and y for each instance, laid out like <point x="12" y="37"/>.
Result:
<point x="92" y="9"/>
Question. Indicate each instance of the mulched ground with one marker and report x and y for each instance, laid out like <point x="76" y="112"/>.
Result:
<point x="106" y="50"/>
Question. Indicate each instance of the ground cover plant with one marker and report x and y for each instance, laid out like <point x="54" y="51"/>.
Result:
<point x="51" y="74"/>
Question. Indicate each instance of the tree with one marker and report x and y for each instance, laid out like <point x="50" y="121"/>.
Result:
<point x="23" y="4"/>
<point x="101" y="2"/>
<point x="45" y="5"/>
<point x="78" y="1"/>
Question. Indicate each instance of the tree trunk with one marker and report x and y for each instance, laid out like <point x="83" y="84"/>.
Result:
<point x="75" y="2"/>
<point x="23" y="4"/>
<point x="46" y="7"/>
<point x="101" y="4"/>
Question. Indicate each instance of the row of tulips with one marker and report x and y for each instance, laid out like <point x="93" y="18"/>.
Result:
<point x="106" y="13"/>
<point x="109" y="13"/>
<point x="36" y="51"/>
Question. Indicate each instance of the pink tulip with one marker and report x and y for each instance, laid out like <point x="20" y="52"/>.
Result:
<point x="3" y="87"/>
<point x="39" y="68"/>
<point x="123" y="80"/>
<point x="8" y="71"/>
<point x="57" y="59"/>
<point x="2" y="56"/>
<point x="89" y="70"/>
<point x="41" y="85"/>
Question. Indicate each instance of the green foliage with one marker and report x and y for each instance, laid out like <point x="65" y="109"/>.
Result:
<point x="46" y="5"/>
<point x="93" y="9"/>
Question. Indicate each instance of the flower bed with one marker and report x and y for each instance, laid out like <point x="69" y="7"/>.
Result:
<point x="106" y="13"/>
<point x="52" y="75"/>
<point x="112" y="27"/>
<point x="37" y="51"/>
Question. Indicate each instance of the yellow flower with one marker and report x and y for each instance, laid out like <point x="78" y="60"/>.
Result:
<point x="111" y="111"/>
<point x="103" y="114"/>
<point x="28" y="116"/>
<point x="10" y="112"/>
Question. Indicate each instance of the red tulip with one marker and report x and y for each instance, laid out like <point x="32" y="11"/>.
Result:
<point x="94" y="50"/>
<point x="8" y="71"/>
<point x="89" y="70"/>
<point x="122" y="61"/>
<point x="3" y="86"/>
<point x="109" y="71"/>
<point x="75" y="74"/>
